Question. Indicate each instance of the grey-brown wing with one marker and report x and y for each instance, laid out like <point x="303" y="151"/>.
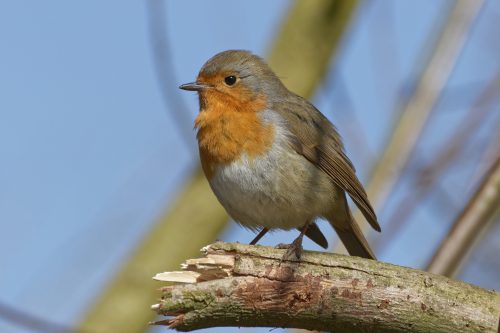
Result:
<point x="315" y="137"/>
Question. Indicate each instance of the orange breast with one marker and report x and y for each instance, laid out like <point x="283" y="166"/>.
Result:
<point x="227" y="129"/>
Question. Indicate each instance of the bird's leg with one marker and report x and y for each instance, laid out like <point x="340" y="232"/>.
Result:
<point x="259" y="236"/>
<point x="294" y="251"/>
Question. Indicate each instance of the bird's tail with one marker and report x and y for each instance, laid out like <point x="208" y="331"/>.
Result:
<point x="353" y="239"/>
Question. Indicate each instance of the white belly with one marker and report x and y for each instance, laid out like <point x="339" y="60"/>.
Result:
<point x="279" y="189"/>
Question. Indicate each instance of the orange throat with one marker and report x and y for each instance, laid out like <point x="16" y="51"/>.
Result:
<point x="228" y="129"/>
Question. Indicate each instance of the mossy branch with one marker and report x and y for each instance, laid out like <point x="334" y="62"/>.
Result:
<point x="242" y="285"/>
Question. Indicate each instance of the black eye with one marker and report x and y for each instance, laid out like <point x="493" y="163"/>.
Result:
<point x="230" y="80"/>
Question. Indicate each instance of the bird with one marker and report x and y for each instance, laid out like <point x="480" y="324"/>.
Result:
<point x="272" y="159"/>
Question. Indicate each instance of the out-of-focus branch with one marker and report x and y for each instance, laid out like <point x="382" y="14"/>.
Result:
<point x="308" y="37"/>
<point x="406" y="131"/>
<point x="29" y="321"/>
<point x="172" y="239"/>
<point x="466" y="228"/>
<point x="165" y="71"/>
<point x="413" y="118"/>
<point x="242" y="285"/>
<point x="384" y="44"/>
<point x="427" y="177"/>
<point x="490" y="154"/>
<point x="348" y="120"/>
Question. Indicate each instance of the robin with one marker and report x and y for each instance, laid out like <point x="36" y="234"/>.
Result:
<point x="272" y="159"/>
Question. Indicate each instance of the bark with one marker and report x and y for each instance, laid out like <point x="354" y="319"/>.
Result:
<point x="243" y="285"/>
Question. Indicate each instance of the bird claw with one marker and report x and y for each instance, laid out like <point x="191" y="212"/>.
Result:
<point x="293" y="250"/>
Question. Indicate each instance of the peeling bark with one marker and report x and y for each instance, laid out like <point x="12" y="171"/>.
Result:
<point x="242" y="285"/>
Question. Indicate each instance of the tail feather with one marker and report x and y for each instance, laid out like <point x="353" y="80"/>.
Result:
<point x="348" y="230"/>
<point x="316" y="235"/>
<point x="354" y="240"/>
<point x="355" y="244"/>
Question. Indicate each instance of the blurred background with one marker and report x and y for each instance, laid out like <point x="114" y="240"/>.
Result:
<point x="100" y="185"/>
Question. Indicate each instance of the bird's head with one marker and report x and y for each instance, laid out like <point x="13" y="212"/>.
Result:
<point x="236" y="79"/>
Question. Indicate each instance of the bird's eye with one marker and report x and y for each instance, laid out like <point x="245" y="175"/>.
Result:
<point x="230" y="80"/>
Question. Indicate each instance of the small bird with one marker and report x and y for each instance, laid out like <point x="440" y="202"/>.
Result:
<point x="272" y="159"/>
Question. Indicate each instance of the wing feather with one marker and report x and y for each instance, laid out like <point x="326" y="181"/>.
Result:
<point x="315" y="137"/>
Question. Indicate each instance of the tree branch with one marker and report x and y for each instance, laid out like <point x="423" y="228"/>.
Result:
<point x="243" y="285"/>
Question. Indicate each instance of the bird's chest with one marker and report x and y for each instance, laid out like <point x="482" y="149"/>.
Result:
<point x="254" y="188"/>
<point x="276" y="189"/>
<point x="250" y="177"/>
<point x="225" y="138"/>
<point x="256" y="174"/>
<point x="241" y="153"/>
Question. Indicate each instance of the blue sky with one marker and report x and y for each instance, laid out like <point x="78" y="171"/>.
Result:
<point x="89" y="156"/>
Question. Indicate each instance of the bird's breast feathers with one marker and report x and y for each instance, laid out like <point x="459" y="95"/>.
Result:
<point x="259" y="178"/>
<point x="227" y="136"/>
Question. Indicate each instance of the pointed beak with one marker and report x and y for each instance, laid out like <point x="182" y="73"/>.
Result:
<point x="194" y="86"/>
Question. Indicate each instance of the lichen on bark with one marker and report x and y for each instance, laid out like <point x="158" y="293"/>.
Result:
<point x="322" y="292"/>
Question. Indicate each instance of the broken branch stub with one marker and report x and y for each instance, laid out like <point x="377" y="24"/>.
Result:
<point x="242" y="285"/>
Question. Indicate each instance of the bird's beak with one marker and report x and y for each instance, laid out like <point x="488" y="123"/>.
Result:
<point x="194" y="86"/>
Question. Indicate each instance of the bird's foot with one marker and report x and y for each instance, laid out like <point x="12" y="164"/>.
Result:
<point x="293" y="250"/>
